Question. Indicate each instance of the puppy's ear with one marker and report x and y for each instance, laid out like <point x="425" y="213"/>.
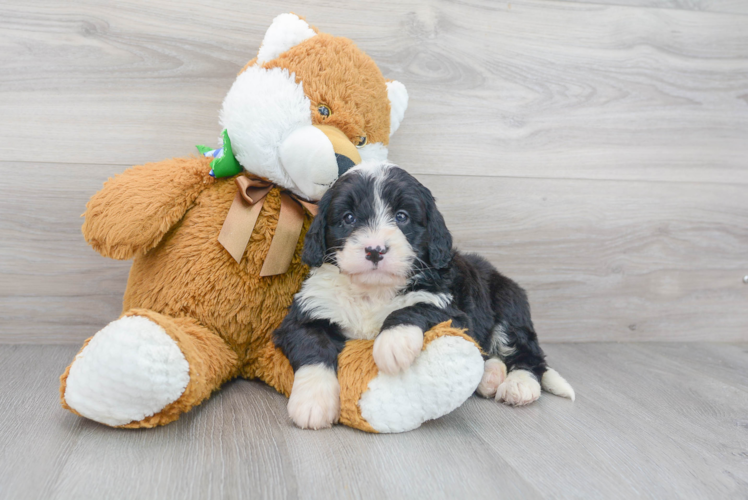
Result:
<point x="315" y="247"/>
<point x="440" y="239"/>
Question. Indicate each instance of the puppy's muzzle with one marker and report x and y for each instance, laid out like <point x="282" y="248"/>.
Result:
<point x="375" y="254"/>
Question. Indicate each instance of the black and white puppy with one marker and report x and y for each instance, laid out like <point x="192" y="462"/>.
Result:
<point x="383" y="268"/>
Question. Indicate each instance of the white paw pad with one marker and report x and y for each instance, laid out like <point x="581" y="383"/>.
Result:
<point x="129" y="370"/>
<point x="396" y="348"/>
<point x="520" y="388"/>
<point x="315" y="397"/>
<point x="494" y="373"/>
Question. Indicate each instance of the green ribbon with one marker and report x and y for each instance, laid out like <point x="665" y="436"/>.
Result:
<point x="225" y="164"/>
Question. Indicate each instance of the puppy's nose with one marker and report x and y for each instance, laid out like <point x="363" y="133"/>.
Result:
<point x="375" y="254"/>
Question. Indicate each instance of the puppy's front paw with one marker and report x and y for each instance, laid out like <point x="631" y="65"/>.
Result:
<point x="315" y="397"/>
<point x="520" y="388"/>
<point x="396" y="348"/>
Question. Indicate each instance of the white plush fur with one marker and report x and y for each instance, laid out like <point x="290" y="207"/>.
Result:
<point x="441" y="378"/>
<point x="268" y="119"/>
<point x="396" y="348"/>
<point x="398" y="96"/>
<point x="286" y="31"/>
<point x="359" y="309"/>
<point x="260" y="110"/>
<point x="494" y="374"/>
<point x="130" y="370"/>
<point x="556" y="384"/>
<point x="309" y="159"/>
<point x="374" y="152"/>
<point x="520" y="388"/>
<point x="315" y="397"/>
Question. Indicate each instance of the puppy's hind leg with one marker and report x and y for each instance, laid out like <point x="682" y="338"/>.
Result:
<point x="494" y="374"/>
<point x="525" y="361"/>
<point x="527" y="370"/>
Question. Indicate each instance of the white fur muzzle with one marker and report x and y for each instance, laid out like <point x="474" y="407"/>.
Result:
<point x="268" y="119"/>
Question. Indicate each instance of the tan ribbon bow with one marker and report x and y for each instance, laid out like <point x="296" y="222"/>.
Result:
<point x="242" y="217"/>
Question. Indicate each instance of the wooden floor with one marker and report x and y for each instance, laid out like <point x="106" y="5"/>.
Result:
<point x="656" y="420"/>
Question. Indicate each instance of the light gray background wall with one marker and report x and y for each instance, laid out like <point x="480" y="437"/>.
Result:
<point x="596" y="152"/>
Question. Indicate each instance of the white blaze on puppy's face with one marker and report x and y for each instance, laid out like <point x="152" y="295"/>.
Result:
<point x="377" y="253"/>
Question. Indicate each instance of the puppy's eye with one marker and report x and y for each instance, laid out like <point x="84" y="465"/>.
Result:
<point x="324" y="110"/>
<point x="361" y="142"/>
<point x="402" y="217"/>
<point x="349" y="218"/>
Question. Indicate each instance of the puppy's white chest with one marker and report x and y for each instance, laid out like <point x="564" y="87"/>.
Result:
<point x="362" y="317"/>
<point x="359" y="311"/>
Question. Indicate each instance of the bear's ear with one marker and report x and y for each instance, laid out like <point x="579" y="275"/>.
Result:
<point x="398" y="103"/>
<point x="286" y="31"/>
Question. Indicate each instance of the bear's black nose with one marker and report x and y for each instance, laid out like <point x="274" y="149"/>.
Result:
<point x="375" y="254"/>
<point x="344" y="163"/>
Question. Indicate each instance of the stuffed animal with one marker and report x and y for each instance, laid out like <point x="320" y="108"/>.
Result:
<point x="216" y="241"/>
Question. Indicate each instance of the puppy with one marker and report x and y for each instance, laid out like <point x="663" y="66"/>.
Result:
<point x="383" y="268"/>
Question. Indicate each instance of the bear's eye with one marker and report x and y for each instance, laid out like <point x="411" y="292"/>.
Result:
<point x="349" y="218"/>
<point x="361" y="141"/>
<point x="324" y="110"/>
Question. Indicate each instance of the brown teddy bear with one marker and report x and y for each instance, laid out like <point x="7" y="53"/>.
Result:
<point x="215" y="266"/>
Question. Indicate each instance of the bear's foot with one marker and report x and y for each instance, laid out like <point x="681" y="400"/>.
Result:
<point x="129" y="370"/>
<point x="146" y="369"/>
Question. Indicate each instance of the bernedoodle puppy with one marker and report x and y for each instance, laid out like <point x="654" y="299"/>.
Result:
<point x="383" y="268"/>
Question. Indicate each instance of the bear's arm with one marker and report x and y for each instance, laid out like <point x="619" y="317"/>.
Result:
<point x="135" y="209"/>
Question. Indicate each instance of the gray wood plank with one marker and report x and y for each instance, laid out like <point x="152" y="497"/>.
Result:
<point x="643" y="426"/>
<point x="238" y="444"/>
<point x="50" y="280"/>
<point x="528" y="89"/>
<point x="647" y="423"/>
<point x="601" y="260"/>
<point x="725" y="362"/>
<point x="724" y="6"/>
<point x="611" y="260"/>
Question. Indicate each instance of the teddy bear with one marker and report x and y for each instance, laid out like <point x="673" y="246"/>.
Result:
<point x="216" y="241"/>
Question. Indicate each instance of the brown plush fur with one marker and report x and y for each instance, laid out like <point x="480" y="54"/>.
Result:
<point x="167" y="216"/>
<point x="221" y="314"/>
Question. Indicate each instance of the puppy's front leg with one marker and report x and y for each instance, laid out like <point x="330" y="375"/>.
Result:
<point x="396" y="348"/>
<point x="312" y="347"/>
<point x="315" y="397"/>
<point x="401" y="338"/>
